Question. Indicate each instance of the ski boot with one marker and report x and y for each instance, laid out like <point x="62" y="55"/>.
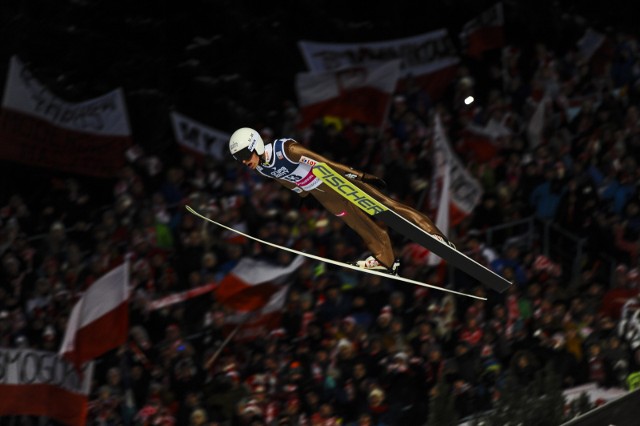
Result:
<point x="373" y="264"/>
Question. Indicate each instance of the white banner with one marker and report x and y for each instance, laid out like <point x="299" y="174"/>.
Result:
<point x="362" y="94"/>
<point x="40" y="129"/>
<point x="198" y="137"/>
<point x="40" y="383"/>
<point x="105" y="115"/>
<point x="421" y="54"/>
<point x="31" y="367"/>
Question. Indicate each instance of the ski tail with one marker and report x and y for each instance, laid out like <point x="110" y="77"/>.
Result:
<point x="347" y="189"/>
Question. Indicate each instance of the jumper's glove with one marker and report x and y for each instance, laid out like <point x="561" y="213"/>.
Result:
<point x="370" y="179"/>
<point x="374" y="180"/>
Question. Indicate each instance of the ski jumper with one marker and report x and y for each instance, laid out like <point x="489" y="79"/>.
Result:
<point x="290" y="163"/>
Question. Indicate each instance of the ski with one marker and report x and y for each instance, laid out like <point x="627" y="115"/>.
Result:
<point x="331" y="261"/>
<point x="371" y="206"/>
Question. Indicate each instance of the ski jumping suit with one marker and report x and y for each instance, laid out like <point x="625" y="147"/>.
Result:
<point x="290" y="163"/>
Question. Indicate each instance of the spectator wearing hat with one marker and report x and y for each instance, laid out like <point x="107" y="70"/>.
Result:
<point x="509" y="265"/>
<point x="224" y="394"/>
<point x="311" y="401"/>
<point x="140" y="379"/>
<point x="376" y="291"/>
<point x="599" y="368"/>
<point x="617" y="356"/>
<point x="326" y="416"/>
<point x="105" y="407"/>
<point x="488" y="213"/>
<point x="573" y="341"/>
<point x="186" y="377"/>
<point x="298" y="313"/>
<point x="361" y="312"/>
<point x="349" y="328"/>
<point x="524" y="367"/>
<point x="545" y="197"/>
<point x="434" y="366"/>
<point x="198" y="417"/>
<point x="292" y="413"/>
<point x="378" y="408"/>
<point x="566" y="366"/>
<point x="398" y="303"/>
<point x="5" y="328"/>
<point x="422" y="336"/>
<point x="212" y="329"/>
<point x="466" y="359"/>
<point x="336" y="303"/>
<point x="154" y="412"/>
<point x="471" y="333"/>
<point x="359" y="385"/>
<point x="49" y="340"/>
<point x="382" y="324"/>
<point x="373" y="354"/>
<point x="345" y="357"/>
<point x="406" y="392"/>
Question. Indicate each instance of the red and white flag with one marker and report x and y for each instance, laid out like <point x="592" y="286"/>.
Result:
<point x="183" y="296"/>
<point x="463" y="191"/>
<point x="484" y="32"/>
<point x="428" y="60"/>
<point x="99" y="321"/>
<point x="41" y="129"/>
<point x="441" y="178"/>
<point x="481" y="143"/>
<point x="256" y="292"/>
<point x="39" y="383"/>
<point x="360" y="93"/>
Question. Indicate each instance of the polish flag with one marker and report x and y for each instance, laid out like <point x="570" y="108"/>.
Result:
<point x="39" y="383"/>
<point x="464" y="191"/>
<point x="481" y="143"/>
<point x="360" y="93"/>
<point x="428" y="61"/>
<point x="255" y="291"/>
<point x="455" y="192"/>
<point x="442" y="173"/>
<point x="183" y="296"/>
<point x="99" y="321"/>
<point x="484" y="32"/>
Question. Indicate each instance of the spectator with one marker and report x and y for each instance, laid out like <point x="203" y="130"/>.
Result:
<point x="545" y="197"/>
<point x="198" y="417"/>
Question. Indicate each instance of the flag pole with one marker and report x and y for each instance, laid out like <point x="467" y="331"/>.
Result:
<point x="215" y="356"/>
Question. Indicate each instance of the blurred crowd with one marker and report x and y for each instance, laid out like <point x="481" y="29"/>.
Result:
<point x="356" y="349"/>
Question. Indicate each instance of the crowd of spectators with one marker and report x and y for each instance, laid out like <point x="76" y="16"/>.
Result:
<point x="352" y="348"/>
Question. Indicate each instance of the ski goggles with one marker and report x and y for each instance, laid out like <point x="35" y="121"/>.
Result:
<point x="243" y="155"/>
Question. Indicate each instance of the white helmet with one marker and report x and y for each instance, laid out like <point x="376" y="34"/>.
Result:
<point x="244" y="142"/>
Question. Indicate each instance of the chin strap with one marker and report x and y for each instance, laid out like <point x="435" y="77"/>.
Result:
<point x="265" y="162"/>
